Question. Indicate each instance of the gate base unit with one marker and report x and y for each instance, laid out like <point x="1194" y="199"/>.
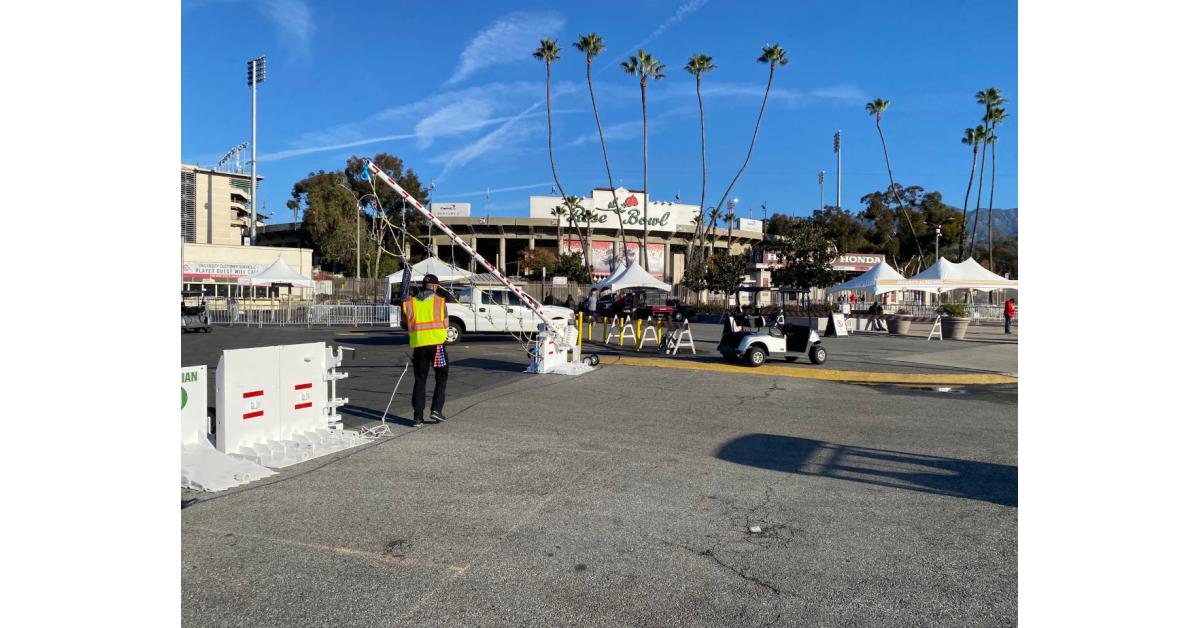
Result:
<point x="276" y="405"/>
<point x="203" y="468"/>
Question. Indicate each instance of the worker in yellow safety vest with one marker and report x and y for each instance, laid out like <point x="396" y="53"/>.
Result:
<point x="426" y="321"/>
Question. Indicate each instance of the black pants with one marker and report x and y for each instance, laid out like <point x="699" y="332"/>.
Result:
<point x="422" y="362"/>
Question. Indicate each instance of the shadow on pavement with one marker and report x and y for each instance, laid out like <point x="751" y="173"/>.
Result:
<point x="370" y="414"/>
<point x="983" y="481"/>
<point x="488" y="364"/>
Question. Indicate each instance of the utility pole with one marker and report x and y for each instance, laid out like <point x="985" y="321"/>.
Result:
<point x="821" y="184"/>
<point x="837" y="148"/>
<point x="256" y="72"/>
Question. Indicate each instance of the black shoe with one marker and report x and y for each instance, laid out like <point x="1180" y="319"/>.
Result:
<point x="437" y="416"/>
<point x="418" y="422"/>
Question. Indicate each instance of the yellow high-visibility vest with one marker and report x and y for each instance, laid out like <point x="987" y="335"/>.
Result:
<point x="426" y="321"/>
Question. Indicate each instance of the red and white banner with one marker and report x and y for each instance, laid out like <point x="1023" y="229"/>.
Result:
<point x="605" y="256"/>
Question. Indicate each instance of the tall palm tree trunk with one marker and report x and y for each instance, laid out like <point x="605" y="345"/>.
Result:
<point x="698" y="234"/>
<point x="962" y="234"/>
<point x="979" y="195"/>
<point x="753" y="138"/>
<point x="554" y="168"/>
<point x="991" y="197"/>
<point x="642" y="254"/>
<point x="607" y="168"/>
<point x="896" y="195"/>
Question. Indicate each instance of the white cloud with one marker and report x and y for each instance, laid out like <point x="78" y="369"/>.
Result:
<point x="292" y="20"/>
<point x="851" y="93"/>
<point x="684" y="10"/>
<point x="782" y="96"/>
<point x="514" y="188"/>
<point x="510" y="38"/>
<point x="296" y="152"/>
<point x="492" y="142"/>
<point x="453" y="119"/>
<point x="629" y="130"/>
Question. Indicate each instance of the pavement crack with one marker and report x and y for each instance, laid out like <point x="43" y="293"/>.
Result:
<point x="741" y="573"/>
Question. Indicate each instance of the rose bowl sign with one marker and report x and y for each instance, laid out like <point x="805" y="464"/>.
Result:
<point x="857" y="262"/>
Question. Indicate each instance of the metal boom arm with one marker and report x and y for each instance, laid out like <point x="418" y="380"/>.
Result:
<point x="533" y="305"/>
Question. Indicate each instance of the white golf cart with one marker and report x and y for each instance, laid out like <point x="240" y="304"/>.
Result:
<point x="790" y="341"/>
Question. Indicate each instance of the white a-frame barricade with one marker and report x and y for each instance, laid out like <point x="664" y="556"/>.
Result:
<point x="271" y="405"/>
<point x="202" y="467"/>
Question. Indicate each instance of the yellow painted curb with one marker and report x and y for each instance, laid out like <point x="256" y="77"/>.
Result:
<point x="831" y="375"/>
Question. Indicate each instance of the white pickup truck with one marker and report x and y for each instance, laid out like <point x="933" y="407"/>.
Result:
<point x="493" y="310"/>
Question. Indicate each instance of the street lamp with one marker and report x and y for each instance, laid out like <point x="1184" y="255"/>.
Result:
<point x="256" y="72"/>
<point x="937" y="243"/>
<point x="432" y="189"/>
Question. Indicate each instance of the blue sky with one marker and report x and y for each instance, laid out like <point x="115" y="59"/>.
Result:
<point x="453" y="90"/>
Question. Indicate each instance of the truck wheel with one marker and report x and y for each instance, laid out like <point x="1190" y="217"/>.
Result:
<point x="816" y="355"/>
<point x="454" y="333"/>
<point x="755" y="356"/>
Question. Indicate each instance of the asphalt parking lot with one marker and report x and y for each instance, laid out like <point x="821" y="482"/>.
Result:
<point x="623" y="497"/>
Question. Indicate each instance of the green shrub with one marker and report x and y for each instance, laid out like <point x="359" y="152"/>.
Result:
<point x="957" y="310"/>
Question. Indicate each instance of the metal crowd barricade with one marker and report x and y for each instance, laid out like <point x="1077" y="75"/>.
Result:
<point x="304" y="314"/>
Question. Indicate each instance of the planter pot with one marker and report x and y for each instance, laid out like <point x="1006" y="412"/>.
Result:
<point x="955" y="327"/>
<point x="898" y="325"/>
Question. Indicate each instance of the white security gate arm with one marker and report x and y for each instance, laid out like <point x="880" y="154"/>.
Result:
<point x="371" y="168"/>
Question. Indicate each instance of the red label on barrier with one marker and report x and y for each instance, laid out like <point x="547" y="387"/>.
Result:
<point x="303" y="386"/>
<point x="252" y="393"/>
<point x="251" y="415"/>
<point x="301" y="406"/>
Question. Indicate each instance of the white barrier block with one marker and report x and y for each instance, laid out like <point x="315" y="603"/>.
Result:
<point x="302" y="394"/>
<point x="194" y="425"/>
<point x="247" y="393"/>
<point x="272" y="405"/>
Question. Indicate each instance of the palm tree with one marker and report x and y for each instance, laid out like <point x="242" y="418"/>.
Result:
<point x="876" y="108"/>
<point x="997" y="116"/>
<point x="714" y="214"/>
<point x="989" y="98"/>
<point x="697" y="66"/>
<point x="772" y="55"/>
<point x="591" y="45"/>
<point x="558" y="211"/>
<point x="644" y="66"/>
<point x="549" y="52"/>
<point x="972" y="138"/>
<point x="574" y="206"/>
<point x="729" y="218"/>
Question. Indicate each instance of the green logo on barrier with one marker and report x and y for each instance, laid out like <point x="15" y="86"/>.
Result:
<point x="184" y="391"/>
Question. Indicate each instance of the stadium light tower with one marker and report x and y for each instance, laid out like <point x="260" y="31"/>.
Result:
<point x="256" y="72"/>
<point x="837" y="148"/>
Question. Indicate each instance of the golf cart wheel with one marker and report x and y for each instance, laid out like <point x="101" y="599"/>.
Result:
<point x="755" y="356"/>
<point x="791" y="358"/>
<point x="731" y="358"/>
<point x="816" y="355"/>
<point x="454" y="333"/>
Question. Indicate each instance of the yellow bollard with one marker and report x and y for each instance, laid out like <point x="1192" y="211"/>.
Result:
<point x="604" y="329"/>
<point x="591" y="323"/>
<point x="637" y="333"/>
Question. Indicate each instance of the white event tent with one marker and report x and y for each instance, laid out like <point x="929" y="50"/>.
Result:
<point x="278" y="273"/>
<point x="946" y="275"/>
<point x="446" y="273"/>
<point x="630" y="277"/>
<point x="881" y="278"/>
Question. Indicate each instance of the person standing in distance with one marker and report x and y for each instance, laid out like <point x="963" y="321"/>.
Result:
<point x="426" y="321"/>
<point x="1010" y="312"/>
